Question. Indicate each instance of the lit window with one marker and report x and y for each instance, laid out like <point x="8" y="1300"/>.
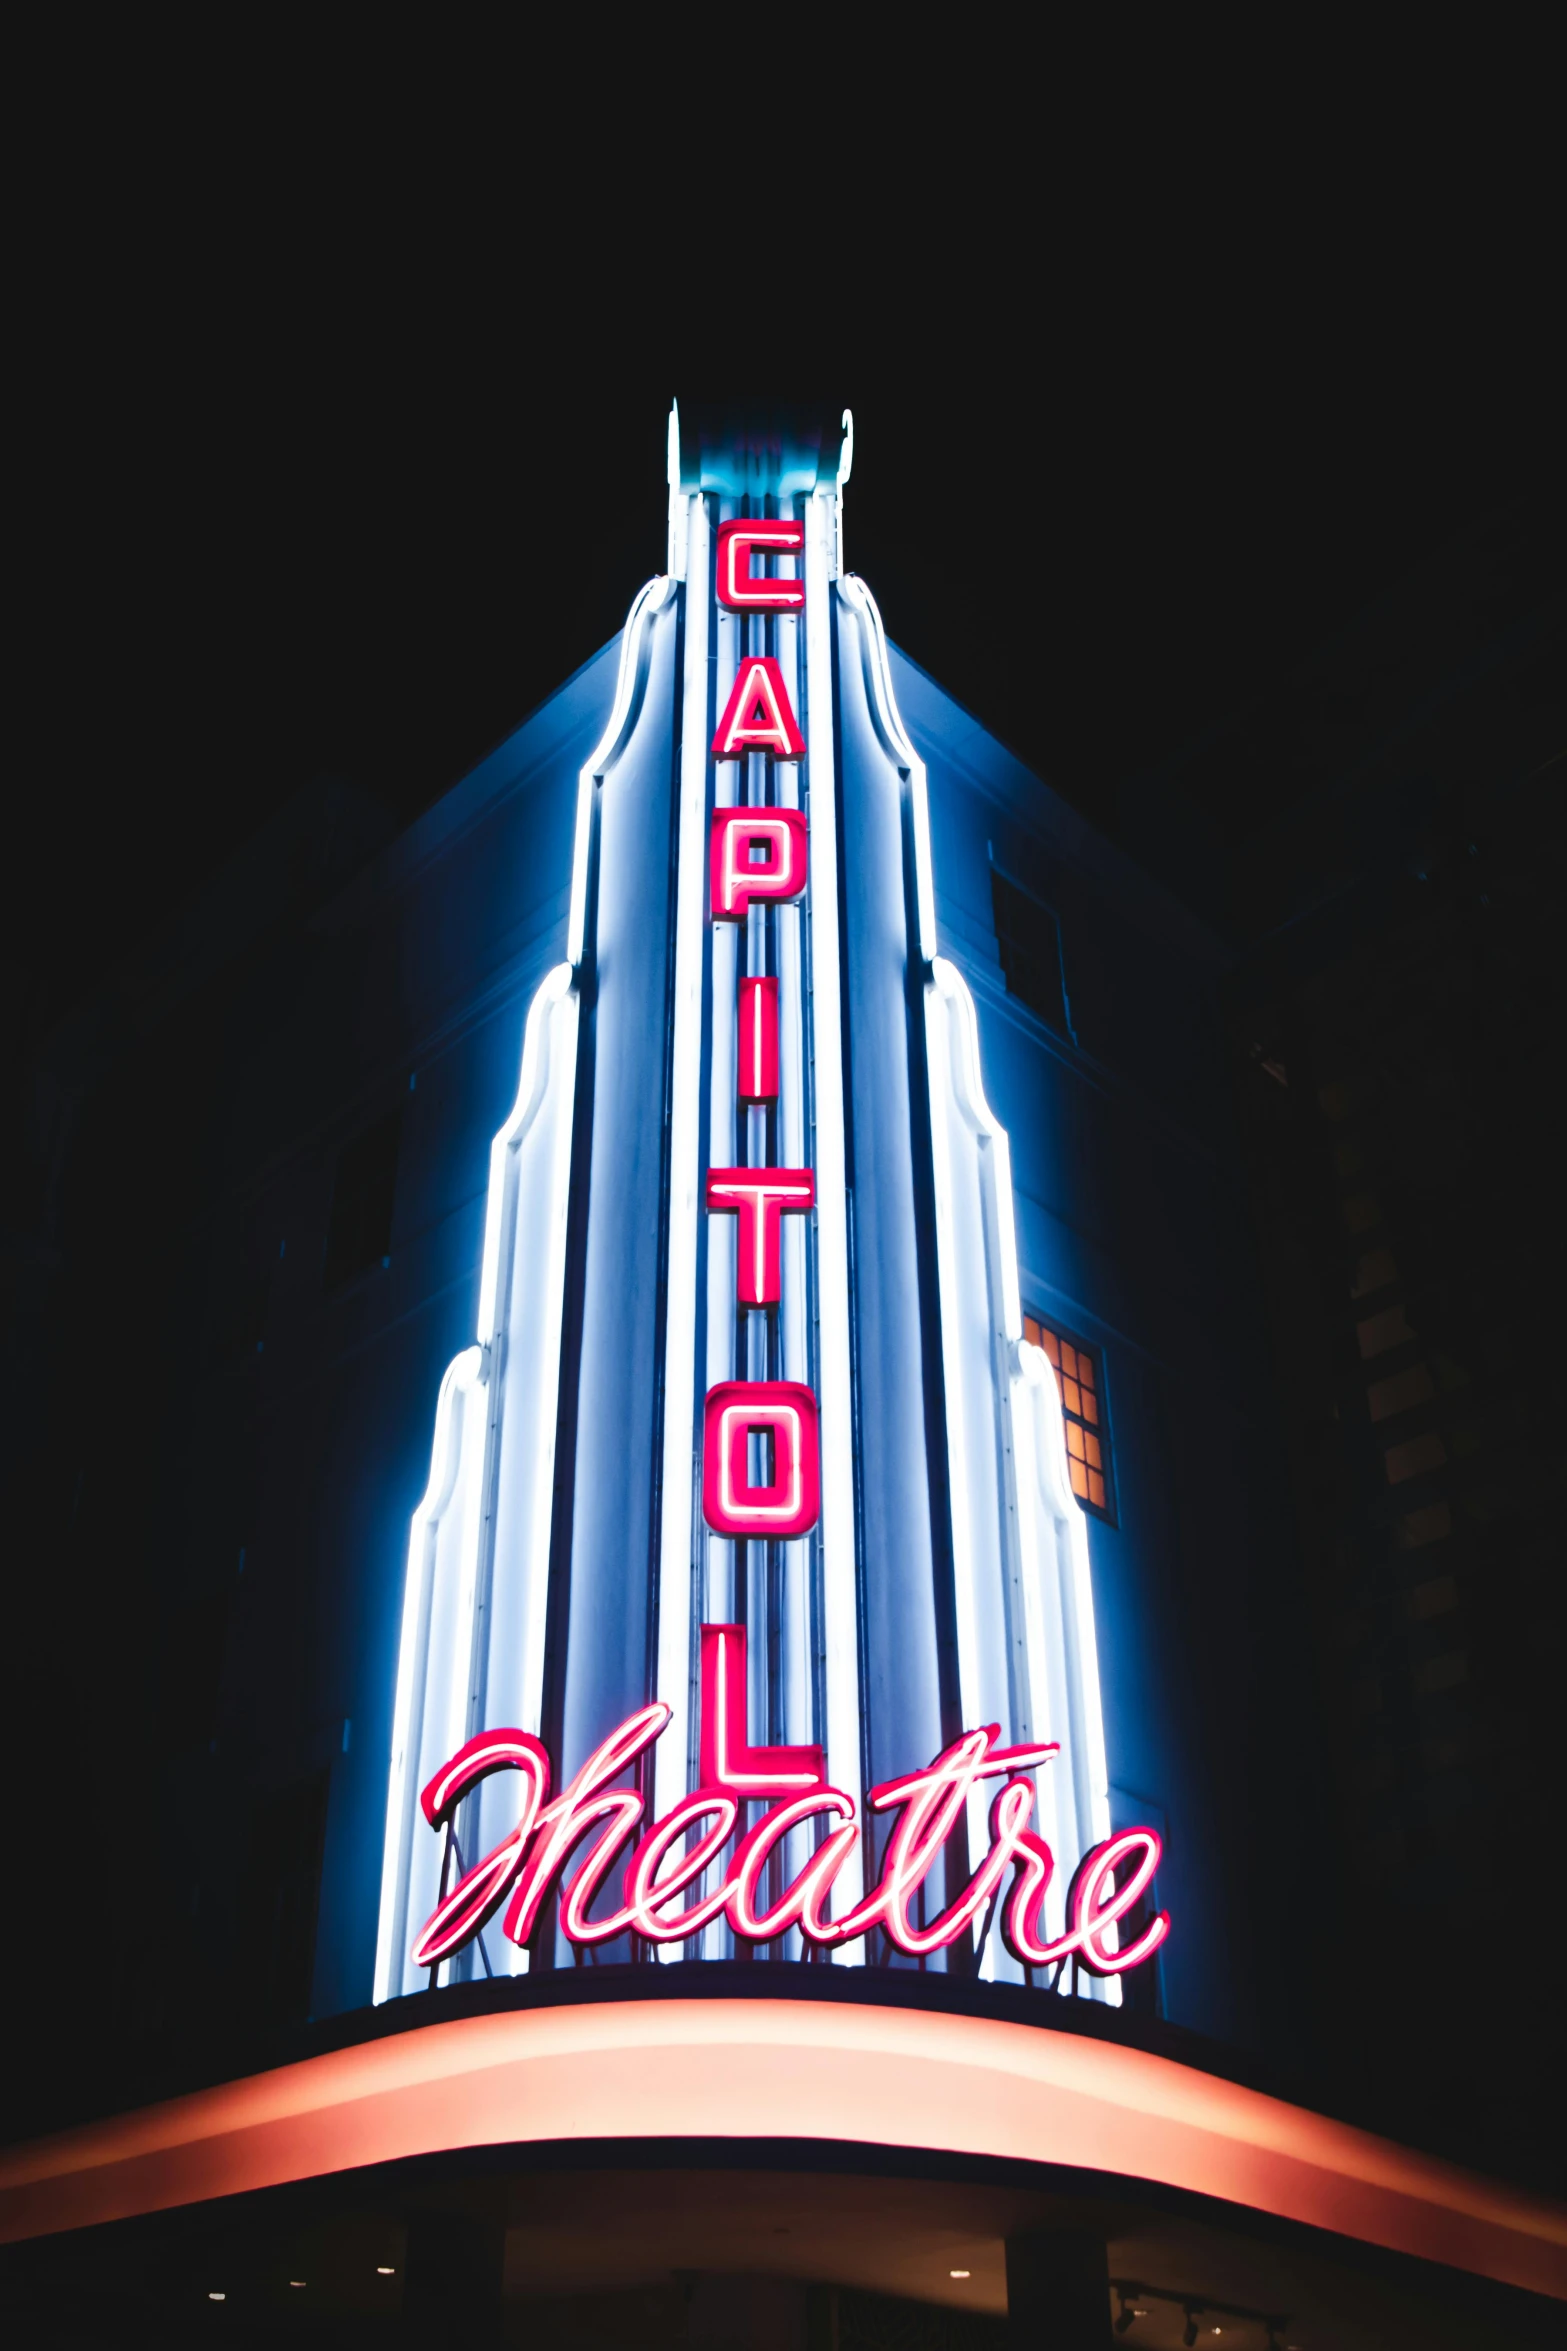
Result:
<point x="1082" y="1408"/>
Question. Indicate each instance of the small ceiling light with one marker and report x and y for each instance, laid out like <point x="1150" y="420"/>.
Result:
<point x="217" y="2297"/>
<point x="957" y="2273"/>
<point x="382" y="2271"/>
<point x="296" y="2281"/>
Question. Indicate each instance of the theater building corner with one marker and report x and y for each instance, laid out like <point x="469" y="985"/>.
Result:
<point x="756" y="1787"/>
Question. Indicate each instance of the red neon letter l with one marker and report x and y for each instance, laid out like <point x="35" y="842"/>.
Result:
<point x="725" y="1760"/>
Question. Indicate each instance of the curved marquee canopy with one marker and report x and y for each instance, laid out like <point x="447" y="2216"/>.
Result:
<point x="850" y="2073"/>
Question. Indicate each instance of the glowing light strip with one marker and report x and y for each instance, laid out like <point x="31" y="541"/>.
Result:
<point x="956" y="1385"/>
<point x="462" y="1375"/>
<point x="952" y="1046"/>
<point x="548" y="1061"/>
<point x="945" y="982"/>
<point x="790" y="1012"/>
<point x="535" y="1542"/>
<point x="840" y="1597"/>
<point x="675" y="1531"/>
<point x="677" y="560"/>
<point x="473" y="1368"/>
<point x="948" y="982"/>
<point x="901" y="751"/>
<point x="884" y="706"/>
<point x="725" y="962"/>
<point x="636" y="644"/>
<point x="1023" y="1499"/>
<point x="1037" y="1373"/>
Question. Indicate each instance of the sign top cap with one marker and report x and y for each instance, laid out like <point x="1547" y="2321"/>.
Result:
<point x="740" y="449"/>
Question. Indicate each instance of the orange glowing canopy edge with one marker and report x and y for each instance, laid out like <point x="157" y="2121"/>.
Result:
<point x="851" y="2074"/>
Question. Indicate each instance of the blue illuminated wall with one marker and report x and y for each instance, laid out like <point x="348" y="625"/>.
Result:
<point x="1132" y="1235"/>
<point x="413" y="998"/>
<point x="346" y="1008"/>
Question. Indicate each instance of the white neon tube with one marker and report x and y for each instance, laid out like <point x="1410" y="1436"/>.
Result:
<point x="840" y="1597"/>
<point x="636" y="644"/>
<point x="462" y="1375"/>
<point x="889" y="723"/>
<point x="1021" y="1506"/>
<point x="440" y="1669"/>
<point x="678" y="558"/>
<point x="794" y="1150"/>
<point x="675" y="1529"/>
<point x="717" y="1552"/>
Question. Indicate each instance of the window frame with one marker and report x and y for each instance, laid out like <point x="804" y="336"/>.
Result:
<point x="1096" y="1431"/>
<point x="1067" y="1027"/>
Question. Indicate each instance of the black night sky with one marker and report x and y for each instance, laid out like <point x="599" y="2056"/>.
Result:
<point x="311" y="500"/>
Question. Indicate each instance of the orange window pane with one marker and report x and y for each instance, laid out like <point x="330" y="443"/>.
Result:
<point x="1077" y="1384"/>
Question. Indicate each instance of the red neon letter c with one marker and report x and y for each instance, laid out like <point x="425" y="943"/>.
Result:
<point x="740" y="589"/>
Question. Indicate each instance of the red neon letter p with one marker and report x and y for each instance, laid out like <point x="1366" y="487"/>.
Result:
<point x="756" y="853"/>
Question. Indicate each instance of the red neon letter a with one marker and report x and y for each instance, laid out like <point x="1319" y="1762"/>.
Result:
<point x="758" y="715"/>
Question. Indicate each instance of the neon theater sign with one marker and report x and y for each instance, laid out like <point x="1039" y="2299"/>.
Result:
<point x="750" y="1436"/>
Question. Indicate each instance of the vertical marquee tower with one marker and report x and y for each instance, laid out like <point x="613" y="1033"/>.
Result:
<point x="747" y="1614"/>
<point x="750" y="1348"/>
